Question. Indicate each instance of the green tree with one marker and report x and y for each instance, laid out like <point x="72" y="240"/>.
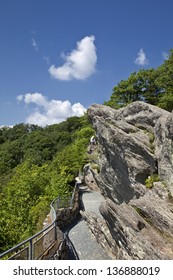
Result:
<point x="23" y="191"/>
<point x="140" y="86"/>
<point x="154" y="86"/>
<point x="37" y="164"/>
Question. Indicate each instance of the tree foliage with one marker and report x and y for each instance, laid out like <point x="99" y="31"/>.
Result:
<point x="154" y="86"/>
<point x="37" y="164"/>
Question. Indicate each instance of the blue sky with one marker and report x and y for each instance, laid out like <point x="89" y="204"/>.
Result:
<point x="57" y="57"/>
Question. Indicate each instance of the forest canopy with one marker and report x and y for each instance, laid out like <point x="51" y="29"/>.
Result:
<point x="37" y="164"/>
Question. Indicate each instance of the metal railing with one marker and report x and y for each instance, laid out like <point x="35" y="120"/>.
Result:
<point x="35" y="246"/>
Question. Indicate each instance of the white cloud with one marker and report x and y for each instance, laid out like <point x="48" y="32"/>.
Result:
<point x="35" y="45"/>
<point x="20" y="97"/>
<point x="79" y="64"/>
<point x="6" y="126"/>
<point x="36" y="98"/>
<point x="141" y="58"/>
<point x="49" y="112"/>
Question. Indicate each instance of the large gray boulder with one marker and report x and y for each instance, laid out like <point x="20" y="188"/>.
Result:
<point x="164" y="149"/>
<point x="135" y="142"/>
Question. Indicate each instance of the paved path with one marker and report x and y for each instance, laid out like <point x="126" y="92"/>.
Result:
<point x="83" y="240"/>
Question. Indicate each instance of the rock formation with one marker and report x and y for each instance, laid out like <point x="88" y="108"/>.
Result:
<point x="136" y="176"/>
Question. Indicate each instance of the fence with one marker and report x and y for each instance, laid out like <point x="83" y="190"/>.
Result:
<point x="35" y="246"/>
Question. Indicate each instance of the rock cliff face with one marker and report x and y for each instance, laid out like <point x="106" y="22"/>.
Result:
<point x="135" y="150"/>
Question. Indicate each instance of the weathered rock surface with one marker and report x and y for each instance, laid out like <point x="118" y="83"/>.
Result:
<point x="136" y="142"/>
<point x="89" y="178"/>
<point x="101" y="232"/>
<point x="164" y="149"/>
<point x="135" y="235"/>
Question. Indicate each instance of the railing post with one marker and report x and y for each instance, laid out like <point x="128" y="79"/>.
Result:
<point x="57" y="203"/>
<point x="71" y="202"/>
<point x="30" y="250"/>
<point x="55" y="231"/>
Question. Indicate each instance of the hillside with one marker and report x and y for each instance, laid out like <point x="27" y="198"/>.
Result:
<point x="37" y="164"/>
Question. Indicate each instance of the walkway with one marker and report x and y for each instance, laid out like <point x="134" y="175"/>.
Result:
<point x="83" y="240"/>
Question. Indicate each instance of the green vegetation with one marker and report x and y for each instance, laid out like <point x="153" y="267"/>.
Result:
<point x="37" y="164"/>
<point x="151" y="141"/>
<point x="154" y="86"/>
<point x="151" y="179"/>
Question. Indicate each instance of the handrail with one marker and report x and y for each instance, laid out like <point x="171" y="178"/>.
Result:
<point x="53" y="225"/>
